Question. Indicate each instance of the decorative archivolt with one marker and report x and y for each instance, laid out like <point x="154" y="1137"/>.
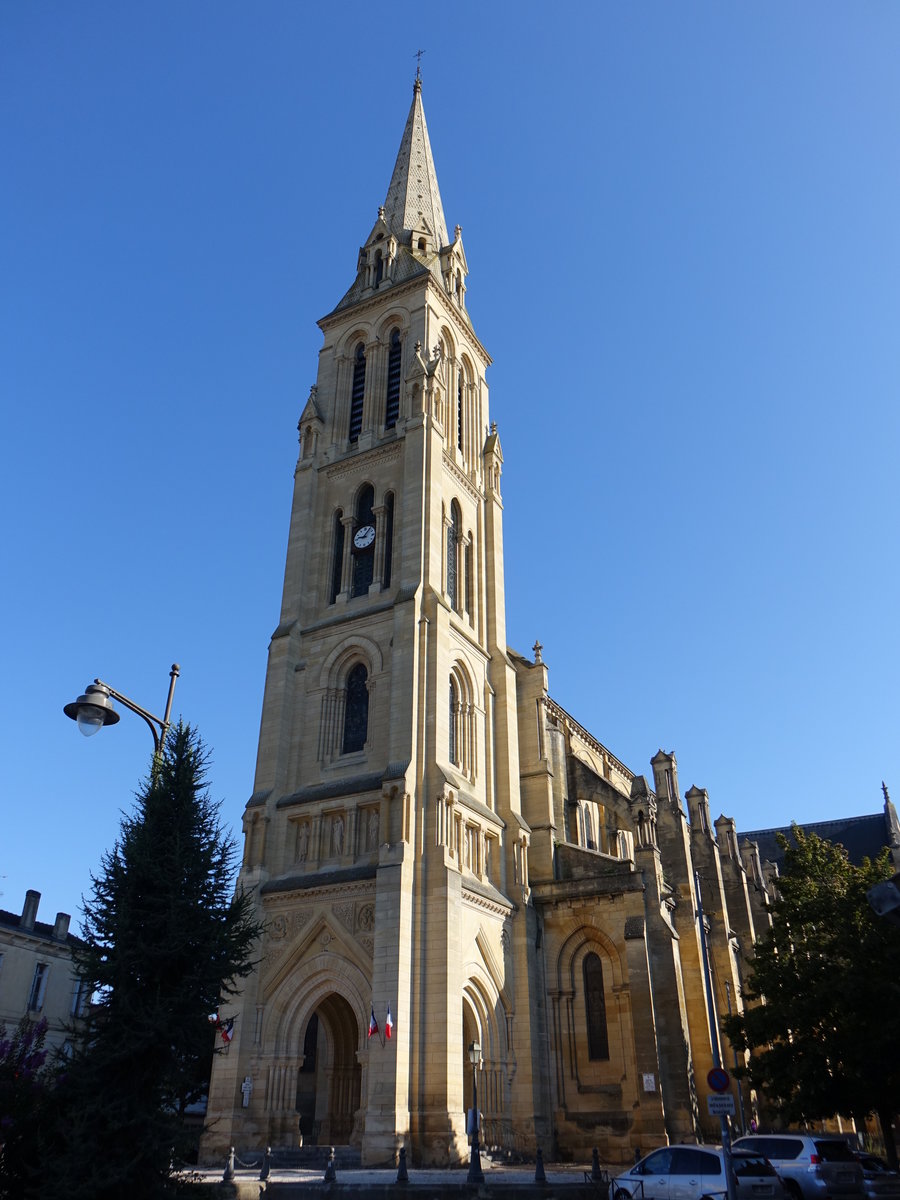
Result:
<point x="352" y="648"/>
<point x="584" y="939"/>
<point x="298" y="997"/>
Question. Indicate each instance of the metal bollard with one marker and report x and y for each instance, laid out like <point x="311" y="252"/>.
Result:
<point x="539" y="1175"/>
<point x="229" y="1168"/>
<point x="596" y="1177"/>
<point x="264" y="1169"/>
<point x="330" y="1174"/>
<point x="402" y="1173"/>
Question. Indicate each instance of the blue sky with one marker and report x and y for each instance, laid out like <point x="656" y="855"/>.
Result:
<point x="681" y="227"/>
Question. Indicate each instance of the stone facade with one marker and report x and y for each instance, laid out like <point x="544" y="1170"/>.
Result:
<point x="430" y="831"/>
<point x="37" y="975"/>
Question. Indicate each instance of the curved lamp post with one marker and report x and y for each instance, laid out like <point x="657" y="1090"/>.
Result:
<point x="94" y="709"/>
<point x="476" y="1175"/>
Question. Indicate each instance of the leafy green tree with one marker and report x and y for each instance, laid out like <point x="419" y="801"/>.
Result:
<point x="823" y="1018"/>
<point x="165" y="940"/>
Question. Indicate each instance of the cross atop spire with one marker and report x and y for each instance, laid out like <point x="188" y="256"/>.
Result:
<point x="413" y="198"/>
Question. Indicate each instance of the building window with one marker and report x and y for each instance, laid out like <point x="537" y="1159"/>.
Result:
<point x="469" y="574"/>
<point x="459" y="411"/>
<point x="454" y="531"/>
<point x="379" y="267"/>
<point x="80" y="997"/>
<point x="363" y="543"/>
<point x="454" y="713"/>
<point x="337" y="559"/>
<point x="356" y="710"/>
<point x="595" y="1005"/>
<point x="358" y="392"/>
<point x="392" y="401"/>
<point x="388" y="538"/>
<point x="589" y="829"/>
<point x="38" y="986"/>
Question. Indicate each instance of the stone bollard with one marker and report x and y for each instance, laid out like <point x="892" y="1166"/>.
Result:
<point x="330" y="1173"/>
<point x="402" y="1173"/>
<point x="229" y="1168"/>
<point x="539" y="1175"/>
<point x="266" y="1163"/>
<point x="596" y="1177"/>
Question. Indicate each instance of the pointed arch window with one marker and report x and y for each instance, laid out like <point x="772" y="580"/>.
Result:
<point x="595" y="1006"/>
<point x="356" y="710"/>
<point x="357" y="393"/>
<point x="363" y="543"/>
<point x="454" y="533"/>
<point x="379" y="267"/>
<point x="392" y="399"/>
<point x="453" y="748"/>
<point x="337" y="556"/>
<point x="469" y="556"/>
<point x="388" y="538"/>
<point x="460" y="392"/>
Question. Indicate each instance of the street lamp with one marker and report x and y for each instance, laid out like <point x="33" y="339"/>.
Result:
<point x="476" y="1175"/>
<point x="94" y="709"/>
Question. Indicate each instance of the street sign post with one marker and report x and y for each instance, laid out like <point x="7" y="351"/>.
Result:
<point x="719" y="1079"/>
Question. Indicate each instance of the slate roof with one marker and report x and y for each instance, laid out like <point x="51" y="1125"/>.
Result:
<point x="413" y="197"/>
<point x="862" y="837"/>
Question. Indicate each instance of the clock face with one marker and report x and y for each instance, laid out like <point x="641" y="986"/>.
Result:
<point x="364" y="537"/>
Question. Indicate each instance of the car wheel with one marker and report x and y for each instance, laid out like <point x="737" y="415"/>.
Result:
<point x="621" y="1194"/>
<point x="793" y="1189"/>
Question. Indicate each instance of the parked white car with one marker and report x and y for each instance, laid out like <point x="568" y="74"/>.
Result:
<point x="694" y="1172"/>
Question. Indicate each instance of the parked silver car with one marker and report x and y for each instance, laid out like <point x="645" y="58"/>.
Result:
<point x="813" y="1166"/>
<point x="694" y="1172"/>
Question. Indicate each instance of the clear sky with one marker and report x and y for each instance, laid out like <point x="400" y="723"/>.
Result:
<point x="681" y="223"/>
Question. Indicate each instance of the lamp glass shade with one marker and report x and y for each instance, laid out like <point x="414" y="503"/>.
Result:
<point x="90" y="718"/>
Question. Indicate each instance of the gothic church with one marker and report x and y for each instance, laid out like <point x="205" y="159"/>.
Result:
<point x="430" y="833"/>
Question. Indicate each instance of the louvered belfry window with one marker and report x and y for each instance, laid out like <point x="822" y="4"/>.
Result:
<point x="392" y="401"/>
<point x="358" y="393"/>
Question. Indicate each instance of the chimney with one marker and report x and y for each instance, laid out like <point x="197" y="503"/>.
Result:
<point x="61" y="927"/>
<point x="29" y="912"/>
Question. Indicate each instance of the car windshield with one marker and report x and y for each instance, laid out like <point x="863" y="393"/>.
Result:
<point x="835" y="1152"/>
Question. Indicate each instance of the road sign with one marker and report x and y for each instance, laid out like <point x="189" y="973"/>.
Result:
<point x="719" y="1080"/>
<point x="721" y="1106"/>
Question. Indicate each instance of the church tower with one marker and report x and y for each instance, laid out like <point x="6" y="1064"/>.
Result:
<point x="384" y="840"/>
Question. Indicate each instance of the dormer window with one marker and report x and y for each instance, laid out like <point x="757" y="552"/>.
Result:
<point x="379" y="267"/>
<point x="422" y="245"/>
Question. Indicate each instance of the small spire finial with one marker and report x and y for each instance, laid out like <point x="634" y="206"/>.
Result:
<point x="887" y="795"/>
<point x="537" y="648"/>
<point x="418" y="57"/>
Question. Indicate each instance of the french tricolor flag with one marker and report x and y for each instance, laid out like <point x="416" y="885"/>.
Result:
<point x="388" y="1024"/>
<point x="373" y="1024"/>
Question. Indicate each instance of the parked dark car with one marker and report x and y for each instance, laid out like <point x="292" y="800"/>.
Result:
<point x="880" y="1181"/>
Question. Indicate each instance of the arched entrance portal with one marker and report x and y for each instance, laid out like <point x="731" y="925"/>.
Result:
<point x="328" y="1082"/>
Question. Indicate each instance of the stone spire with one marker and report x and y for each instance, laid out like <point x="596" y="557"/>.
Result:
<point x="413" y="198"/>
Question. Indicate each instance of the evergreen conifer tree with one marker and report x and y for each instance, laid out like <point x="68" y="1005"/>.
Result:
<point x="166" y="939"/>
<point x="823" y="1017"/>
